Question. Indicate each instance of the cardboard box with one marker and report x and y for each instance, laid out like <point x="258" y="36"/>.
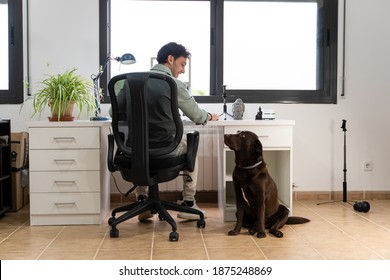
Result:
<point x="20" y="191"/>
<point x="19" y="150"/>
<point x="19" y="164"/>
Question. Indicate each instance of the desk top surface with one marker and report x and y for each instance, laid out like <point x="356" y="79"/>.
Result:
<point x="77" y="123"/>
<point x="247" y="122"/>
<point x="230" y="122"/>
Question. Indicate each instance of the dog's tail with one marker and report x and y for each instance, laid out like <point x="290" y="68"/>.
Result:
<point x="293" y="220"/>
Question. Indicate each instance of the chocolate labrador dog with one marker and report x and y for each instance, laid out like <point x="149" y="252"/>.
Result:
<point x="256" y="193"/>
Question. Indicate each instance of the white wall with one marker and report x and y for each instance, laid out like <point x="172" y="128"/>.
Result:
<point x="64" y="34"/>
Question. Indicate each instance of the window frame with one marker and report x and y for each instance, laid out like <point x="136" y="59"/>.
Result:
<point x="14" y="93"/>
<point x="327" y="95"/>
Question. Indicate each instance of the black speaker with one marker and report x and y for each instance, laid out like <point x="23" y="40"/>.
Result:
<point x="362" y="206"/>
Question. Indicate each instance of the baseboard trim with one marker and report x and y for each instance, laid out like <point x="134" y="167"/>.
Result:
<point x="338" y="195"/>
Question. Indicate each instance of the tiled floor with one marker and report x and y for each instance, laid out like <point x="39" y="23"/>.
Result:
<point x="336" y="232"/>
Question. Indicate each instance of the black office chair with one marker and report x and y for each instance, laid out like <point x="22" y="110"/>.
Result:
<point x="146" y="128"/>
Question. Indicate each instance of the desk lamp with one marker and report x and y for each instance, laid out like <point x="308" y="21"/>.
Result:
<point x="126" y="59"/>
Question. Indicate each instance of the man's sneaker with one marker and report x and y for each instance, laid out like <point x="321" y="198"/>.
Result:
<point x="145" y="215"/>
<point x="190" y="216"/>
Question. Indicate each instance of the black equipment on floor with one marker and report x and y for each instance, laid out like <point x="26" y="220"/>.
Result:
<point x="363" y="206"/>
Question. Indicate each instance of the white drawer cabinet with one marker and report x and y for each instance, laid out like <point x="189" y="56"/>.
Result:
<point x="69" y="181"/>
<point x="65" y="181"/>
<point x="276" y="137"/>
<point x="65" y="203"/>
<point x="53" y="160"/>
<point x="59" y="138"/>
<point x="270" y="136"/>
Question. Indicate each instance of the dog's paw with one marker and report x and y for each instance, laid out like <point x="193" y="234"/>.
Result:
<point x="252" y="231"/>
<point x="261" y="234"/>
<point x="277" y="233"/>
<point x="233" y="232"/>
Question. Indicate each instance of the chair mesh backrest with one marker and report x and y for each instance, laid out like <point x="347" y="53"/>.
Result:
<point x="145" y="118"/>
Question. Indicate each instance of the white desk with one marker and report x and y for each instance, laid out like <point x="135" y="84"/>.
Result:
<point x="61" y="151"/>
<point x="69" y="179"/>
<point x="277" y="139"/>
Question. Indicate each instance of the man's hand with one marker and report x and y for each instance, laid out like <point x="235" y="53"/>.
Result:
<point x="213" y="117"/>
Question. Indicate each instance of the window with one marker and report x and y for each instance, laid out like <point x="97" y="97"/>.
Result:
<point x="11" y="52"/>
<point x="282" y="51"/>
<point x="276" y="48"/>
<point x="145" y="31"/>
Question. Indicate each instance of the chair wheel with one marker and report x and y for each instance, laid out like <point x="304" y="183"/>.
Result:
<point x="201" y="223"/>
<point x="114" y="233"/>
<point x="111" y="220"/>
<point x="174" y="236"/>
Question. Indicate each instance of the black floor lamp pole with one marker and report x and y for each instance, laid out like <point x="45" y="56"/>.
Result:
<point x="363" y="206"/>
<point x="344" y="128"/>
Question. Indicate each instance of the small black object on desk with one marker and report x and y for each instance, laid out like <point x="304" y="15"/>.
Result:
<point x="224" y="96"/>
<point x="259" y="115"/>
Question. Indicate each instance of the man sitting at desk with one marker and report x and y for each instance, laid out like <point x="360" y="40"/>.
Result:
<point x="172" y="59"/>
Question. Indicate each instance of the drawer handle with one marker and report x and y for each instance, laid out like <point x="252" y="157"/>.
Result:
<point x="63" y="139"/>
<point x="65" y="204"/>
<point x="263" y="136"/>
<point x="58" y="182"/>
<point x="64" y="160"/>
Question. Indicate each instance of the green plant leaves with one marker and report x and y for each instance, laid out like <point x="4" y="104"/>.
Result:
<point x="60" y="90"/>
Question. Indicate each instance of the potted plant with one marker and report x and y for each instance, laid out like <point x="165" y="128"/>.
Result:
<point x="62" y="92"/>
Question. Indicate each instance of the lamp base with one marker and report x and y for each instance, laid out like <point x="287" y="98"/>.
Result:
<point x="100" y="118"/>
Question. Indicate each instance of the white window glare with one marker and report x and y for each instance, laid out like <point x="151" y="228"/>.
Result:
<point x="4" y="75"/>
<point x="270" y="45"/>
<point x="143" y="27"/>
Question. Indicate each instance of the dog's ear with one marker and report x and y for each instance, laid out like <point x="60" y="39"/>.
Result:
<point x="257" y="147"/>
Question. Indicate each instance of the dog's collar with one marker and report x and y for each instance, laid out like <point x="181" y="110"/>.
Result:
<point x="251" y="166"/>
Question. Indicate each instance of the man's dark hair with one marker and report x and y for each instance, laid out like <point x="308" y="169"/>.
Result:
<point x="174" y="49"/>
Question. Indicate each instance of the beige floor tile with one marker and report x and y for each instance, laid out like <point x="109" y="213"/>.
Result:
<point x="380" y="248"/>
<point x="124" y="254"/>
<point x="336" y="252"/>
<point x="20" y="255"/>
<point x="372" y="236"/>
<point x="136" y="241"/>
<point x="24" y="244"/>
<point x="179" y="254"/>
<point x="84" y="230"/>
<point x="185" y="241"/>
<point x="67" y="255"/>
<point x="291" y="253"/>
<point x="335" y="232"/>
<point x="75" y="243"/>
<point x="285" y="241"/>
<point x="6" y="229"/>
<point x="319" y="225"/>
<point x="239" y="253"/>
<point x="36" y="231"/>
<point x="382" y="221"/>
<point x="226" y="241"/>
<point x="334" y="238"/>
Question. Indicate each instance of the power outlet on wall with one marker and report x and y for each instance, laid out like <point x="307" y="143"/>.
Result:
<point x="367" y="166"/>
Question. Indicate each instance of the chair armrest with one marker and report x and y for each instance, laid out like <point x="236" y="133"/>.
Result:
<point x="192" y="149"/>
<point x="110" y="154"/>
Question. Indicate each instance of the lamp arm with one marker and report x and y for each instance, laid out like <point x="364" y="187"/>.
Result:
<point x="98" y="75"/>
<point x="96" y="83"/>
<point x="125" y="59"/>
